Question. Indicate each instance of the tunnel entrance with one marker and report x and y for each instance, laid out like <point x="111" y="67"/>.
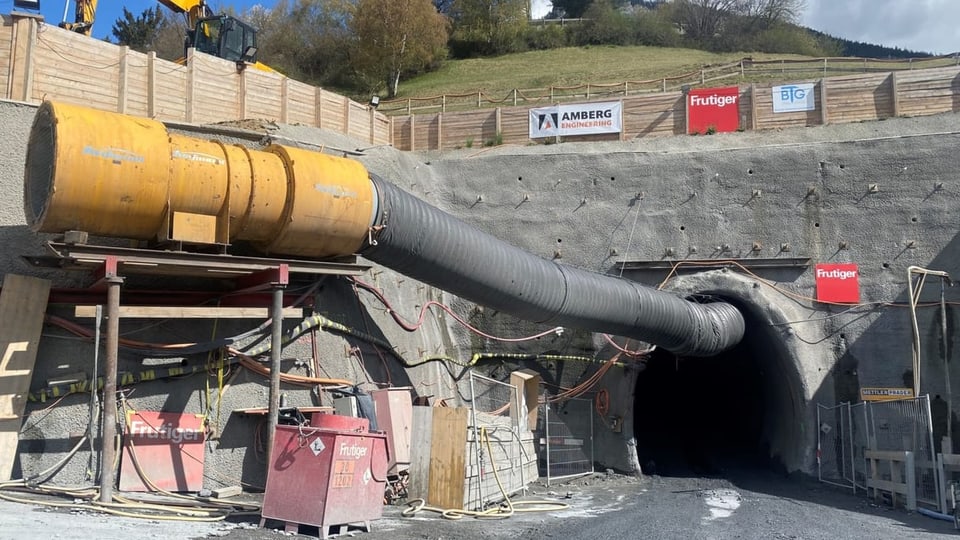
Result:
<point x="713" y="416"/>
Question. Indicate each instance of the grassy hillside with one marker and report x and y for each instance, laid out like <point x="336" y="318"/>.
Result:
<point x="568" y="66"/>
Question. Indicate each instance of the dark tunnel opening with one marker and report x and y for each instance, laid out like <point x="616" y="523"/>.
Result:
<point x="714" y="415"/>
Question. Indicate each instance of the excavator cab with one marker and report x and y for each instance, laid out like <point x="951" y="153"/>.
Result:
<point x="225" y="37"/>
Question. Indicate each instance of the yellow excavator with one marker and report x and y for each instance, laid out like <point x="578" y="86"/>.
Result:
<point x="221" y="35"/>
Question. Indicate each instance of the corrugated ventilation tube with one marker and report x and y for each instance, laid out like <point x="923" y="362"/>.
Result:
<point x="116" y="175"/>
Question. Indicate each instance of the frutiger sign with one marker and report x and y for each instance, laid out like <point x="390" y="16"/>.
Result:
<point x="714" y="109"/>
<point x="838" y="283"/>
<point x="167" y="447"/>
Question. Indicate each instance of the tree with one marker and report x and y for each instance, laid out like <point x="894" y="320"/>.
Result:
<point x="764" y="14"/>
<point x="702" y="20"/>
<point x="489" y="27"/>
<point x="305" y="39"/>
<point x="570" y="8"/>
<point x="393" y="38"/>
<point x="138" y="32"/>
<point x="603" y="24"/>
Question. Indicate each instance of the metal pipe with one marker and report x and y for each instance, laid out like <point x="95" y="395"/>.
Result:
<point x="109" y="428"/>
<point x="276" y="345"/>
<point x="914" y="297"/>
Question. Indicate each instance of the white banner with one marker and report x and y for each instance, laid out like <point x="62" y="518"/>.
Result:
<point x="793" y="98"/>
<point x="580" y="119"/>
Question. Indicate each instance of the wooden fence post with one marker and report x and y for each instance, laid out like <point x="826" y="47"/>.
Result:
<point x="152" y="84"/>
<point x="373" y="125"/>
<point x="318" y="105"/>
<point x="190" y="90"/>
<point x="413" y="133"/>
<point x="242" y="106"/>
<point x="753" y="107"/>
<point x="824" y="115"/>
<point x="497" y="126"/>
<point x="346" y="115"/>
<point x="895" y="93"/>
<point x="23" y="52"/>
<point x="122" y="80"/>
<point x="284" y="100"/>
<point x="623" y="125"/>
<point x="439" y="131"/>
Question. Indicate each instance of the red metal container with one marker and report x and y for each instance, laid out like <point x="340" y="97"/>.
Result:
<point x="325" y="477"/>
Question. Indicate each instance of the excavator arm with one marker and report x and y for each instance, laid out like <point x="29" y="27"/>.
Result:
<point x="218" y="35"/>
<point x="194" y="10"/>
<point x="83" y="16"/>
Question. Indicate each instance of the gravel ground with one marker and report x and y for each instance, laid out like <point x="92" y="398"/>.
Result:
<point x="746" y="505"/>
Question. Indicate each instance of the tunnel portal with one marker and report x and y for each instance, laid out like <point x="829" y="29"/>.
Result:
<point x="711" y="416"/>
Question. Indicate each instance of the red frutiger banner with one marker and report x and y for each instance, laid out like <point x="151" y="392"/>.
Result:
<point x="164" y="450"/>
<point x="714" y="109"/>
<point x="838" y="283"/>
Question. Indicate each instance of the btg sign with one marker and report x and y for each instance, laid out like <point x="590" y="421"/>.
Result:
<point x="793" y="98"/>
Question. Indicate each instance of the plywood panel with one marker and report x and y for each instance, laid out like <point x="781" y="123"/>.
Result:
<point x="23" y="303"/>
<point x="419" y="471"/>
<point x="447" y="459"/>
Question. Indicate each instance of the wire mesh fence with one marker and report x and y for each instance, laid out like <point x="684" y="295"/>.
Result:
<point x="498" y="457"/>
<point x="846" y="432"/>
<point x="565" y="452"/>
<point x="906" y="425"/>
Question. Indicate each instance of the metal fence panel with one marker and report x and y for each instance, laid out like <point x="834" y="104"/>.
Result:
<point x="858" y="417"/>
<point x="565" y="454"/>
<point x="835" y="445"/>
<point x="907" y="425"/>
<point x="494" y="443"/>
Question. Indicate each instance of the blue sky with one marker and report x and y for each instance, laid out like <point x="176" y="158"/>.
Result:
<point x="108" y="11"/>
<point x="919" y="25"/>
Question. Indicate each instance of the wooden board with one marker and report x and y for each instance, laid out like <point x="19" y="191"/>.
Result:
<point x="172" y="312"/>
<point x="23" y="303"/>
<point x="447" y="459"/>
<point x="419" y="471"/>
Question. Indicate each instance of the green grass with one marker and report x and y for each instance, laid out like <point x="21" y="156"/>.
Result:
<point x="533" y="73"/>
<point x="498" y="76"/>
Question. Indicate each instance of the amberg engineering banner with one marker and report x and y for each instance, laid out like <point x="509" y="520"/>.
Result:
<point x="581" y="119"/>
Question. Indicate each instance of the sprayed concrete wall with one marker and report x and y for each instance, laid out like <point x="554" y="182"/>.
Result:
<point x="802" y="193"/>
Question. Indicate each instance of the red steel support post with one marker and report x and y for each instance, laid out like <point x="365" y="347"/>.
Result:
<point x="109" y="430"/>
<point x="276" y="344"/>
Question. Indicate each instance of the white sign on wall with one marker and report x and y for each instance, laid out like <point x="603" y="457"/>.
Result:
<point x="580" y="119"/>
<point x="793" y="98"/>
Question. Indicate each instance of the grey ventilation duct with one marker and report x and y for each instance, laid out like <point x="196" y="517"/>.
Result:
<point x="427" y="244"/>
